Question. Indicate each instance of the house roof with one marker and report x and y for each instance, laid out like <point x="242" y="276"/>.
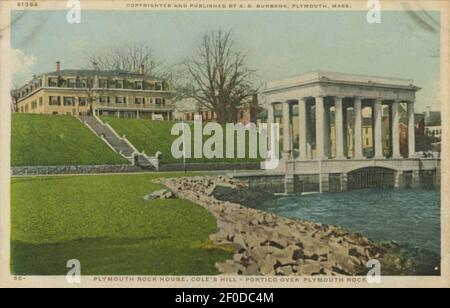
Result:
<point x="433" y="118"/>
<point x="101" y="73"/>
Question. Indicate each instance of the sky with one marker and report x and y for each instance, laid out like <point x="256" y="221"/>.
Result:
<point x="277" y="44"/>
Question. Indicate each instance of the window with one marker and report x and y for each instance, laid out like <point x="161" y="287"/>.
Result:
<point x="33" y="105"/>
<point x="119" y="84"/>
<point x="69" y="101"/>
<point x="26" y="108"/>
<point x="71" y="83"/>
<point x="54" y="101"/>
<point x="104" y="99"/>
<point x="121" y="100"/>
<point x="138" y="85"/>
<point x="139" y="100"/>
<point x="81" y="84"/>
<point x="53" y="82"/>
<point x="41" y="101"/>
<point x="158" y="86"/>
<point x="103" y="83"/>
<point x="158" y="101"/>
<point x="82" y="101"/>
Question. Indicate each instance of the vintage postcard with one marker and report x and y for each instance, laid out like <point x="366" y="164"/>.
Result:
<point x="224" y="144"/>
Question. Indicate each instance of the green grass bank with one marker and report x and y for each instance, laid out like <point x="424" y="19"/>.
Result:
<point x="104" y="222"/>
<point x="154" y="136"/>
<point x="48" y="140"/>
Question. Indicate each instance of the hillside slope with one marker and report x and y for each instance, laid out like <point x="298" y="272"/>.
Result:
<point x="46" y="140"/>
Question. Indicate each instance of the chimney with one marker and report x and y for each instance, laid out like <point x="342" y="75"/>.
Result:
<point x="142" y="69"/>
<point x="95" y="66"/>
<point x="58" y="66"/>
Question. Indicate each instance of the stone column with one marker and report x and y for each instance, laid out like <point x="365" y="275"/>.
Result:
<point x="287" y="150"/>
<point x="358" y="129"/>
<point x="320" y="128"/>
<point x="395" y="130"/>
<point x="303" y="129"/>
<point x="327" y="132"/>
<point x="346" y="141"/>
<point x="378" y="129"/>
<point x="309" y="124"/>
<point x="339" y="128"/>
<point x="411" y="131"/>
<point x="270" y="121"/>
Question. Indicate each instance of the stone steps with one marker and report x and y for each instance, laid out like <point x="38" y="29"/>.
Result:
<point x="120" y="145"/>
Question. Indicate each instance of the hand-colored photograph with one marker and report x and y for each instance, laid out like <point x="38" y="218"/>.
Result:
<point x="240" y="143"/>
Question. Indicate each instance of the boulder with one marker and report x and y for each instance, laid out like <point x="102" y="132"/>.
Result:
<point x="162" y="194"/>
<point x="308" y="268"/>
<point x="285" y="271"/>
<point x="230" y="268"/>
<point x="252" y="270"/>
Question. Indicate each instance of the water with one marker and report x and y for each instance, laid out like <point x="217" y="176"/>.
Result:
<point x="409" y="217"/>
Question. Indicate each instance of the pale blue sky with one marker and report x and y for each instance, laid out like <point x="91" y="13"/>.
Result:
<point x="278" y="44"/>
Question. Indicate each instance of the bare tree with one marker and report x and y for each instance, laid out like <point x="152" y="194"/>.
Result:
<point x="217" y="77"/>
<point x="131" y="58"/>
<point x="15" y="95"/>
<point x="91" y="93"/>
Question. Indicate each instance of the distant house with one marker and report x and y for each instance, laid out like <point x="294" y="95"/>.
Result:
<point x="433" y="125"/>
<point x="433" y="129"/>
<point x="83" y="92"/>
<point x="247" y="113"/>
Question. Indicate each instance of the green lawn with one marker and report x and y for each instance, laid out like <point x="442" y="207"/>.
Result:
<point x="47" y="140"/>
<point x="104" y="222"/>
<point x="153" y="136"/>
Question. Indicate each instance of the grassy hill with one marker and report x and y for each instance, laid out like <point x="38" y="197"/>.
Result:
<point x="115" y="232"/>
<point x="154" y="136"/>
<point x="47" y="140"/>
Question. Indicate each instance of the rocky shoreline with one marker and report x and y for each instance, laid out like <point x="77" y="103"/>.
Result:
<point x="266" y="244"/>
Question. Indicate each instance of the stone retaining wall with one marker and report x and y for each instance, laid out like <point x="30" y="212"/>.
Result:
<point x="54" y="170"/>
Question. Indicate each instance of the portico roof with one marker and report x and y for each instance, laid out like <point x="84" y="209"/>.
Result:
<point x="340" y="78"/>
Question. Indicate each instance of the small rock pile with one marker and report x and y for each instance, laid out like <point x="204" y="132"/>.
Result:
<point x="266" y="244"/>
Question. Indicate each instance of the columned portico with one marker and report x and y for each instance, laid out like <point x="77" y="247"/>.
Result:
<point x="323" y="128"/>
<point x="339" y="102"/>
<point x="348" y="94"/>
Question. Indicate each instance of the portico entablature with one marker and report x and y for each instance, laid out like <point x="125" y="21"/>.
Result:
<point x="340" y="91"/>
